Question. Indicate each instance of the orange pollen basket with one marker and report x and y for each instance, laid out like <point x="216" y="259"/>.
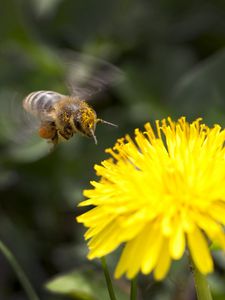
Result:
<point x="45" y="133"/>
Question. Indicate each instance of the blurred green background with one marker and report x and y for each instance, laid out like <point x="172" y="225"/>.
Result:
<point x="172" y="54"/>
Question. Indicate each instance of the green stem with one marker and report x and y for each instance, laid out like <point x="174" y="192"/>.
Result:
<point x="18" y="270"/>
<point x="133" y="289"/>
<point x="108" y="279"/>
<point x="201" y="285"/>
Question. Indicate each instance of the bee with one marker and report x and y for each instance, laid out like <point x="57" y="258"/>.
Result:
<point x="61" y="116"/>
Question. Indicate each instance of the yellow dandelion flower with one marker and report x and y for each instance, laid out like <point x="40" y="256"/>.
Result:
<point x="160" y="194"/>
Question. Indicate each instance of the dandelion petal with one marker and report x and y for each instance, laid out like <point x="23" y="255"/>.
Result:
<point x="200" y="251"/>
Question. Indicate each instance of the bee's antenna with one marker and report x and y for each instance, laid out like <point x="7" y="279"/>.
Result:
<point x="94" y="137"/>
<point x="106" y="122"/>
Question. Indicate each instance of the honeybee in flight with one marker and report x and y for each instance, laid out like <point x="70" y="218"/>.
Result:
<point x="63" y="116"/>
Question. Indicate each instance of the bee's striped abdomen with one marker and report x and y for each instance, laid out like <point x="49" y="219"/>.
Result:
<point x="40" y="102"/>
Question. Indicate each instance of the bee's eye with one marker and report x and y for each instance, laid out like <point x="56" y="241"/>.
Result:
<point x="77" y="124"/>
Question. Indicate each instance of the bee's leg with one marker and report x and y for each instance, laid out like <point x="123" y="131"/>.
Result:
<point x="55" y="139"/>
<point x="66" y="133"/>
<point x="52" y="146"/>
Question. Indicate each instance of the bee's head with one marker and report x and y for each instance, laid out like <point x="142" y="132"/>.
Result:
<point x="85" y="122"/>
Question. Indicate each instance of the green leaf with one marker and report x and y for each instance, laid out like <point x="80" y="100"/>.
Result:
<point x="83" y="285"/>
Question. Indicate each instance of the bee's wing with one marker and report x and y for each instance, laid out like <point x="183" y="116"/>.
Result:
<point x="13" y="118"/>
<point x="87" y="75"/>
<point x="18" y="129"/>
